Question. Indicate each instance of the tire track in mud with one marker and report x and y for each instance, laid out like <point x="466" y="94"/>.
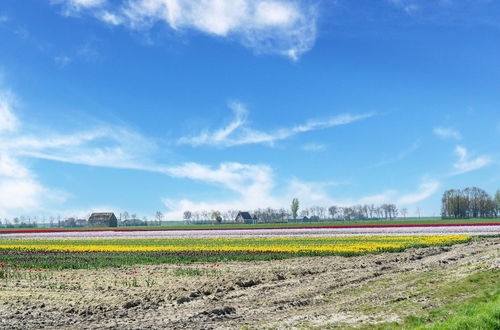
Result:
<point x="421" y="259"/>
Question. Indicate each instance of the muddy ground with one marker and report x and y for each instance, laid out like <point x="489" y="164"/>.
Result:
<point x="294" y="293"/>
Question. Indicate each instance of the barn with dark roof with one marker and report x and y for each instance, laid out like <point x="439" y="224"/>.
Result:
<point x="103" y="219"/>
<point x="244" y="217"/>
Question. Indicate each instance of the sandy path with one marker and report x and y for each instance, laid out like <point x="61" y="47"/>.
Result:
<point x="299" y="232"/>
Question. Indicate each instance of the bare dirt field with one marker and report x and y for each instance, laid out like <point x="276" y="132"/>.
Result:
<point x="303" y="292"/>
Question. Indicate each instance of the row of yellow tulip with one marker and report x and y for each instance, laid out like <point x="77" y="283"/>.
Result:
<point x="354" y="244"/>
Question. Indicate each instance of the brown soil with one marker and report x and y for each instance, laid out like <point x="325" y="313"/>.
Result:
<point x="294" y="293"/>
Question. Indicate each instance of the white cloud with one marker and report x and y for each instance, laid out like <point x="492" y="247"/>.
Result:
<point x="309" y="194"/>
<point x="266" y="26"/>
<point x="408" y="6"/>
<point x="237" y="133"/>
<point x="19" y="195"/>
<point x="313" y="193"/>
<point x="234" y="176"/>
<point x="465" y="164"/>
<point x="425" y="190"/>
<point x="447" y="133"/>
<point x="252" y="185"/>
<point x="62" y="61"/>
<point x="314" y="147"/>
<point x="102" y="146"/>
<point x="19" y="189"/>
<point x="110" y="18"/>
<point x="12" y="168"/>
<point x="73" y="6"/>
<point x="8" y="122"/>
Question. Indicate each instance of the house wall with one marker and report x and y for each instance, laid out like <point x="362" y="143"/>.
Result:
<point x="113" y="222"/>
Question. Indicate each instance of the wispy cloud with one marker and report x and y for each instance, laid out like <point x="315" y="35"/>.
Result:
<point x="447" y="133"/>
<point x="465" y="164"/>
<point x="251" y="184"/>
<point x="425" y="190"/>
<point x="266" y="26"/>
<point x="8" y="121"/>
<point x="62" y="61"/>
<point x="237" y="133"/>
<point x="234" y="176"/>
<point x="106" y="146"/>
<point x="308" y="193"/>
<point x="74" y="6"/>
<point x="19" y="187"/>
<point x="400" y="156"/>
<point x="112" y="147"/>
<point x="408" y="6"/>
<point x="314" y="193"/>
<point x="314" y="147"/>
<point x="101" y="146"/>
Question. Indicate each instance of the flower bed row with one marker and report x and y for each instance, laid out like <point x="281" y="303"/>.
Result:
<point x="355" y="244"/>
<point x="25" y="231"/>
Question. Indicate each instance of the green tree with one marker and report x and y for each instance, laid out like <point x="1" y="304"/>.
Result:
<point x="295" y="207"/>
<point x="216" y="216"/>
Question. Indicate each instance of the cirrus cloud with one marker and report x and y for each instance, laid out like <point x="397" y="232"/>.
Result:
<point x="237" y="132"/>
<point x="447" y="133"/>
<point x="466" y="164"/>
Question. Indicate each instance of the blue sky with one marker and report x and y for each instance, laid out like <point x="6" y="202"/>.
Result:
<point x="146" y="105"/>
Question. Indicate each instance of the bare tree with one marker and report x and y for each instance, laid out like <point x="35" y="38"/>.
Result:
<point x="332" y="210"/>
<point x="232" y="214"/>
<point x="205" y="215"/>
<point x="159" y="217"/>
<point x="321" y="212"/>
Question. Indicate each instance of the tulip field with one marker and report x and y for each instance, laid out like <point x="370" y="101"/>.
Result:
<point x="71" y="279"/>
<point x="86" y="253"/>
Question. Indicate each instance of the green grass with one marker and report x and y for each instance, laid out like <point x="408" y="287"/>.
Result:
<point x="481" y="310"/>
<point x="196" y="272"/>
<point x="291" y="224"/>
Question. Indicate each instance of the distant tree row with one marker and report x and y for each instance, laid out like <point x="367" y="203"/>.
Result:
<point x="357" y="212"/>
<point x="471" y="202"/>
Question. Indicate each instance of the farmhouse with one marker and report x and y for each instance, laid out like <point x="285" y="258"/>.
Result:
<point x="107" y="219"/>
<point x="244" y="217"/>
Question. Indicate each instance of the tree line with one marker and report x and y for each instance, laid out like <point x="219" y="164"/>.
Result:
<point x="315" y="213"/>
<point x="471" y="202"/>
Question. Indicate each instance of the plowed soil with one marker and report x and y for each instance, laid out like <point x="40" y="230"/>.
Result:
<point x="303" y="292"/>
